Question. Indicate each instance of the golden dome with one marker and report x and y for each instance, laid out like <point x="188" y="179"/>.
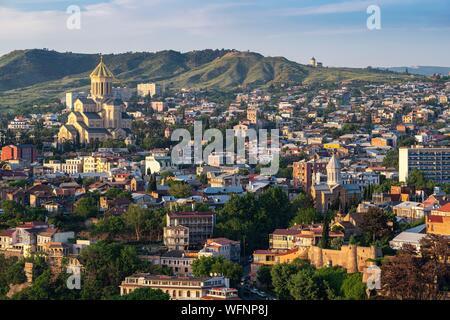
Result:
<point x="102" y="71"/>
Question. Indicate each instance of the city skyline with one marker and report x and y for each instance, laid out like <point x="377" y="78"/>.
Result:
<point x="412" y="31"/>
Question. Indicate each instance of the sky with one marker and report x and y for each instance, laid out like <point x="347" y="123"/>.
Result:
<point x="413" y="32"/>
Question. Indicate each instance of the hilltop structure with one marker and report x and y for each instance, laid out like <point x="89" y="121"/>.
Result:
<point x="99" y="116"/>
<point x="314" y="63"/>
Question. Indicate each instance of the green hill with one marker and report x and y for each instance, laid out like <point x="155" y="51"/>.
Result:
<point x="34" y="76"/>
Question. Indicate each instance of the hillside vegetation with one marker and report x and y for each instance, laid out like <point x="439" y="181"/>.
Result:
<point x="39" y="76"/>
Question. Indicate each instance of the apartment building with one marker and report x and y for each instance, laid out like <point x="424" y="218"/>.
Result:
<point x="434" y="163"/>
<point x="176" y="237"/>
<point x="148" y="89"/>
<point x="305" y="171"/>
<point x="199" y="224"/>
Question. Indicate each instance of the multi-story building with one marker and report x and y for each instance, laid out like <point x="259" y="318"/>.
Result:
<point x="438" y="222"/>
<point x="10" y="153"/>
<point x="148" y="89"/>
<point x="299" y="236"/>
<point x="158" y="163"/>
<point x="94" y="164"/>
<point x="252" y="115"/>
<point x="434" y="163"/>
<point x="176" y="237"/>
<point x="22" y="240"/>
<point x="409" y="209"/>
<point x="226" y="248"/>
<point x="199" y="224"/>
<point x="72" y="166"/>
<point x="362" y="179"/>
<point x="179" y="288"/>
<point x="89" y="164"/>
<point x="180" y="262"/>
<point x="25" y="152"/>
<point x="19" y="124"/>
<point x="305" y="171"/>
<point x="158" y="106"/>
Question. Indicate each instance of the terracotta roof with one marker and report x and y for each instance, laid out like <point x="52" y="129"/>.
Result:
<point x="286" y="232"/>
<point x="222" y="241"/>
<point x="444" y="208"/>
<point x="189" y="214"/>
<point x="435" y="219"/>
<point x="7" y="233"/>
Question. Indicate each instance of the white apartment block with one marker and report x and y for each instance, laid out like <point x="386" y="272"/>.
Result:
<point x="146" y="89"/>
<point x="434" y="163"/>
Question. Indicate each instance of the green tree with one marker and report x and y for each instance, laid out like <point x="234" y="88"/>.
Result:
<point x="136" y="218"/>
<point x="86" y="207"/>
<point x="353" y="288"/>
<point x="112" y="226"/>
<point x="375" y="225"/>
<point x="304" y="216"/>
<point x="105" y="266"/>
<point x="250" y="218"/>
<point x="264" y="277"/>
<point x="304" y="286"/>
<point x="330" y="280"/>
<point x="180" y="190"/>
<point x="391" y="159"/>
<point x="40" y="290"/>
<point x="281" y="276"/>
<point x="204" y="266"/>
<point x="302" y="201"/>
<point x="417" y="179"/>
<point x="11" y="272"/>
<point x="152" y="185"/>
<point x="11" y="210"/>
<point x="116" y="193"/>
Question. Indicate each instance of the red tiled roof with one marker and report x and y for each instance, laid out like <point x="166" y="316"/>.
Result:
<point x="189" y="214"/>
<point x="222" y="241"/>
<point x="7" y="233"/>
<point x="286" y="232"/>
<point x="444" y="208"/>
<point x="435" y="219"/>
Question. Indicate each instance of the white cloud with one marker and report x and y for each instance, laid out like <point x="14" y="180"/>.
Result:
<point x="340" y="7"/>
<point x="119" y="25"/>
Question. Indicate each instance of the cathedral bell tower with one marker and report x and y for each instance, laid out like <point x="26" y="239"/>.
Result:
<point x="333" y="171"/>
<point x="101" y="82"/>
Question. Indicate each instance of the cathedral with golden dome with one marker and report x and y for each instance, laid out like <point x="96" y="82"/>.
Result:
<point x="99" y="116"/>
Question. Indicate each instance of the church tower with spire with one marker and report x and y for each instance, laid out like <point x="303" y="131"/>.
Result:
<point x="101" y="82"/>
<point x="333" y="171"/>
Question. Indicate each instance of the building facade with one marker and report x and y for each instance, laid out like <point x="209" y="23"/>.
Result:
<point x="200" y="225"/>
<point x="99" y="116"/>
<point x="434" y="163"/>
<point x="179" y="288"/>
